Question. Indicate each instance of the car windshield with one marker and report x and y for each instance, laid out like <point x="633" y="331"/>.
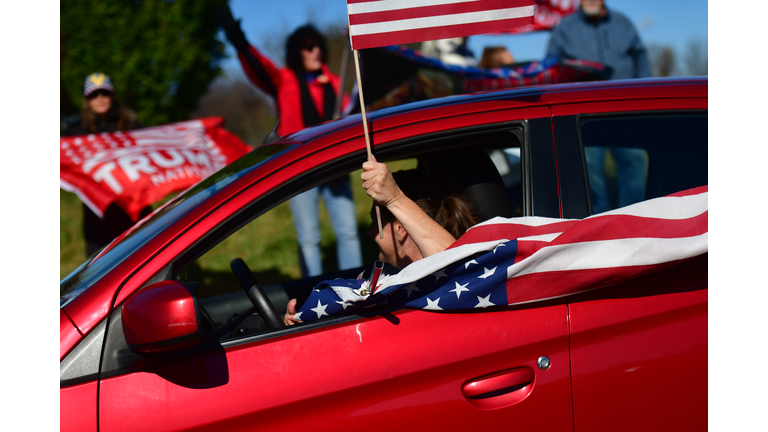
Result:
<point x="94" y="269"/>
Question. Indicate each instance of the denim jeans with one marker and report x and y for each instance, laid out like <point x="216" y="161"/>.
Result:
<point x="631" y="173"/>
<point x="337" y="195"/>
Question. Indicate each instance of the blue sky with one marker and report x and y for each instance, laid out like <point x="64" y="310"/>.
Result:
<point x="673" y="23"/>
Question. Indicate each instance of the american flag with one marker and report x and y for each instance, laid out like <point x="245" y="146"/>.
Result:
<point x="375" y="23"/>
<point x="520" y="260"/>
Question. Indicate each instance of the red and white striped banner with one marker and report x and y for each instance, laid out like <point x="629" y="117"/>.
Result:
<point x="136" y="168"/>
<point x="375" y="23"/>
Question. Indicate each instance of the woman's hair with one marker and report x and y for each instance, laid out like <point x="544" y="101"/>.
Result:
<point x="306" y="34"/>
<point x="126" y="118"/>
<point x="453" y="212"/>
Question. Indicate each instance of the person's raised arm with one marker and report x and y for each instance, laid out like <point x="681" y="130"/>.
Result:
<point x="427" y="234"/>
<point x="260" y="69"/>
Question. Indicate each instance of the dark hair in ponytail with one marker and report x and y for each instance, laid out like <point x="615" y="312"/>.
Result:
<point x="453" y="213"/>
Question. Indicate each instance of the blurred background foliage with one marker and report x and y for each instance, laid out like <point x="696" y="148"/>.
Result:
<point x="161" y="55"/>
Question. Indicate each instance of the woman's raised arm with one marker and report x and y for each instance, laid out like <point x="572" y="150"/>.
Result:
<point x="428" y="235"/>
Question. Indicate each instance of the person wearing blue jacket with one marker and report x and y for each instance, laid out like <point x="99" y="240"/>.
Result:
<point x="596" y="33"/>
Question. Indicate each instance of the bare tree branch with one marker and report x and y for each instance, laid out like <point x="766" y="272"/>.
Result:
<point x="696" y="57"/>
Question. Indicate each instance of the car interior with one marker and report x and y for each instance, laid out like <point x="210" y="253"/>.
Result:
<point x="485" y="166"/>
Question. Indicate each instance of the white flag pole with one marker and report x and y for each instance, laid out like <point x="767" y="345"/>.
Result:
<point x="365" y="130"/>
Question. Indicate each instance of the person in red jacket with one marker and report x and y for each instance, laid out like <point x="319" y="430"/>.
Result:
<point x="305" y="93"/>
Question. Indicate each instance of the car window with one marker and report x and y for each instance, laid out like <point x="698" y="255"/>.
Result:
<point x="269" y="246"/>
<point x="268" y="243"/>
<point x="637" y="157"/>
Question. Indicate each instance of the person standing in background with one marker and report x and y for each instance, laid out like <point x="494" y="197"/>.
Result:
<point x="101" y="112"/>
<point x="599" y="34"/>
<point x="305" y="94"/>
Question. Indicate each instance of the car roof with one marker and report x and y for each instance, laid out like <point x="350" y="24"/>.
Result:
<point x="546" y="94"/>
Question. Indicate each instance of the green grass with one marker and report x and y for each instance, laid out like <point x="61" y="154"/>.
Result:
<point x="267" y="244"/>
<point x="71" y="241"/>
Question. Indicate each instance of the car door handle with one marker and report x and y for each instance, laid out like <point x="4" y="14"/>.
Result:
<point x="500" y="389"/>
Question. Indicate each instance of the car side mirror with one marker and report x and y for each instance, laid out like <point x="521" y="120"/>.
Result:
<point x="162" y="317"/>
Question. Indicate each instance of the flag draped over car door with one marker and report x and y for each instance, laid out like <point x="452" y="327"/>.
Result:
<point x="504" y="262"/>
<point x="136" y="168"/>
<point x="375" y="23"/>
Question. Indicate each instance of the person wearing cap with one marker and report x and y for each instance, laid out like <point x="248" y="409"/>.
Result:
<point x="419" y="218"/>
<point x="102" y="113"/>
<point x="305" y="93"/>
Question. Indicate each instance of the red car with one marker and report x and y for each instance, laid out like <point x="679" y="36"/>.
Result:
<point x="145" y="345"/>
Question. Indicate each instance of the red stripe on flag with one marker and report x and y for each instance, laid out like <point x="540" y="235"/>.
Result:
<point x="433" y="33"/>
<point x="690" y="192"/>
<point x="526" y="248"/>
<point x="511" y="231"/>
<point x="436" y="10"/>
<point x="546" y="285"/>
<point x="626" y="226"/>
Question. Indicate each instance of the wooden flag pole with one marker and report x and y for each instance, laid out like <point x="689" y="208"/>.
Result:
<point x="365" y="130"/>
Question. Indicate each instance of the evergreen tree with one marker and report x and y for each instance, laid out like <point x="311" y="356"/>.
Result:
<point x="160" y="54"/>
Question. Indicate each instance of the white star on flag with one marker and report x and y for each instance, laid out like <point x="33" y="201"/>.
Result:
<point x="432" y="305"/>
<point x="411" y="287"/>
<point x="500" y="245"/>
<point x="484" y="302"/>
<point x="440" y="274"/>
<point x="320" y="309"/>
<point x="298" y="315"/>
<point x="466" y="265"/>
<point x="344" y="304"/>
<point x="459" y="288"/>
<point x="487" y="273"/>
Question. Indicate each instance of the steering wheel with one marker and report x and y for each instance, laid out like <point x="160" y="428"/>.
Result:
<point x="256" y="294"/>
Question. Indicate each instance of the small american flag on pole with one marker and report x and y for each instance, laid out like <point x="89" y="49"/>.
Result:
<point x="375" y="23"/>
<point x="521" y="260"/>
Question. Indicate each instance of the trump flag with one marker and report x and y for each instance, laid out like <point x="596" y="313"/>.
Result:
<point x="136" y="168"/>
<point x="504" y="262"/>
<point x="549" y="13"/>
<point x="375" y="23"/>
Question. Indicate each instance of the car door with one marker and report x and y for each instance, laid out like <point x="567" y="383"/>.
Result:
<point x="375" y="371"/>
<point x="638" y="349"/>
<point x="403" y="369"/>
